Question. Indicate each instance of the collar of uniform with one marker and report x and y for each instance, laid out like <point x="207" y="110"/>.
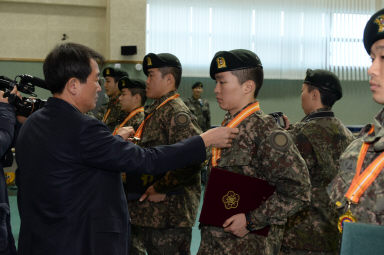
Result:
<point x="314" y="114"/>
<point x="113" y="100"/>
<point x="228" y="117"/>
<point x="158" y="101"/>
<point x="379" y="130"/>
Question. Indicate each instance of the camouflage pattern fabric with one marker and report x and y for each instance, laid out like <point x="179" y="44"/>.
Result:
<point x="171" y="123"/>
<point x="161" y="241"/>
<point x="116" y="115"/>
<point x="265" y="151"/>
<point x="370" y="207"/>
<point x="320" y="140"/>
<point x="200" y="108"/>
<point x="134" y="122"/>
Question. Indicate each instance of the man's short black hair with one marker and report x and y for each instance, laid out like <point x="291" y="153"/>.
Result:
<point x="66" y="61"/>
<point x="197" y="84"/>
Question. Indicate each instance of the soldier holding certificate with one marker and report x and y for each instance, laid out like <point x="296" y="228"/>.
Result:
<point x="262" y="150"/>
<point x="358" y="190"/>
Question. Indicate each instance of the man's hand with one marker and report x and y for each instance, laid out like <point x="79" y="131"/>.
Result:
<point x="125" y="132"/>
<point x="236" y="225"/>
<point x="220" y="137"/>
<point x="2" y="98"/>
<point x="286" y="121"/>
<point x="152" y="195"/>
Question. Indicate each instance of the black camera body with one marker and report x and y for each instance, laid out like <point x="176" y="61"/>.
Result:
<point x="26" y="84"/>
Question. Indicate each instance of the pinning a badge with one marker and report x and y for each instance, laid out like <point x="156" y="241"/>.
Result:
<point x="221" y="63"/>
<point x="380" y="22"/>
<point x="149" y="61"/>
<point x="231" y="200"/>
<point x="346" y="217"/>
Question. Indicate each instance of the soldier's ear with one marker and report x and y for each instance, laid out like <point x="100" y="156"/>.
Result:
<point x="249" y="87"/>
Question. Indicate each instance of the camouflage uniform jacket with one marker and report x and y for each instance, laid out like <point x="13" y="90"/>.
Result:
<point x="320" y="138"/>
<point x="134" y="122"/>
<point x="115" y="116"/>
<point x="370" y="208"/>
<point x="200" y="108"/>
<point x="169" y="124"/>
<point x="266" y="151"/>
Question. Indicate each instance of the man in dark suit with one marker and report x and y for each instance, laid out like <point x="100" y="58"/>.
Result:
<point x="70" y="197"/>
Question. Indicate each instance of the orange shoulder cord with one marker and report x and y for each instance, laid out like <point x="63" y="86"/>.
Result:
<point x="361" y="181"/>
<point x="130" y="116"/>
<point x="234" y="123"/>
<point x="139" y="130"/>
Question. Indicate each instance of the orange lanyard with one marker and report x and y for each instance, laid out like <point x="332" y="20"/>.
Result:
<point x="108" y="112"/>
<point x="130" y="116"/>
<point x="361" y="181"/>
<point x="234" y="123"/>
<point x="139" y="131"/>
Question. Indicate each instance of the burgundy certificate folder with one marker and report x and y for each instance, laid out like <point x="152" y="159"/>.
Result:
<point x="229" y="193"/>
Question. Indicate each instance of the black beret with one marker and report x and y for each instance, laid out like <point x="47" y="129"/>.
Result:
<point x="325" y="81"/>
<point x="224" y="61"/>
<point x="153" y="60"/>
<point x="126" y="83"/>
<point x="197" y="84"/>
<point x="116" y="73"/>
<point x="374" y="30"/>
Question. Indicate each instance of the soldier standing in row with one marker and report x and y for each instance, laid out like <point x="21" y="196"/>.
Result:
<point x="110" y="113"/>
<point x="261" y="150"/>
<point x="163" y="218"/>
<point x="358" y="190"/>
<point x="199" y="106"/>
<point x="320" y="138"/>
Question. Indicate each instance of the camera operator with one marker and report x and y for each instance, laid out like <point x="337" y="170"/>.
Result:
<point x="7" y="129"/>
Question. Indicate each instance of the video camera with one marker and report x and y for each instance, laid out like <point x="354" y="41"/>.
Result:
<point x="26" y="84"/>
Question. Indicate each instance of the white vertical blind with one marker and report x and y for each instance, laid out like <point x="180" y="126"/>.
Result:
<point x="289" y="36"/>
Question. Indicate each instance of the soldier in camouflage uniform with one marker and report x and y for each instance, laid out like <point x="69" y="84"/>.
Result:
<point x="199" y="106"/>
<point x="261" y="150"/>
<point x="132" y="100"/>
<point x="366" y="204"/>
<point x="320" y="138"/>
<point x="110" y="113"/>
<point x="162" y="221"/>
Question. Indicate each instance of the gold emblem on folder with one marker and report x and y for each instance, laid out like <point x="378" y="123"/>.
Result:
<point x="231" y="200"/>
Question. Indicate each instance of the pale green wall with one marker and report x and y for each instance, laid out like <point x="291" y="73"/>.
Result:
<point x="355" y="108"/>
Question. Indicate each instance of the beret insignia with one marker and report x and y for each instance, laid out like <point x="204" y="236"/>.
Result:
<point x="380" y="23"/>
<point x="108" y="71"/>
<point x="149" y="61"/>
<point x="279" y="141"/>
<point x="221" y="63"/>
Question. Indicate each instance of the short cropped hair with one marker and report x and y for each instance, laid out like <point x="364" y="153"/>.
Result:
<point x="254" y="74"/>
<point x="66" y="61"/>
<point x="141" y="92"/>
<point x="176" y="72"/>
<point x="327" y="98"/>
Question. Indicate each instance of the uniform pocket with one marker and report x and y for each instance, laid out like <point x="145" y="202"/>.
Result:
<point x="107" y="236"/>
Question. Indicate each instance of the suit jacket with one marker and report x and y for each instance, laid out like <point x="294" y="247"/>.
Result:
<point x="7" y="127"/>
<point x="71" y="198"/>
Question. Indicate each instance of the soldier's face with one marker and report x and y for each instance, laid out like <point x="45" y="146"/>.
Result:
<point x="376" y="71"/>
<point x="111" y="87"/>
<point x="157" y="86"/>
<point x="127" y="101"/>
<point x="306" y="99"/>
<point x="229" y="92"/>
<point x="196" y="92"/>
